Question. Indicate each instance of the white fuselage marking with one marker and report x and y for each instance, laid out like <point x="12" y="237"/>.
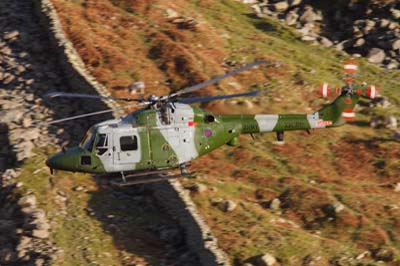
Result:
<point x="185" y="148"/>
<point x="266" y="123"/>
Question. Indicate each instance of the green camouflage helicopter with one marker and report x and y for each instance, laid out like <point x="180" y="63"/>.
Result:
<point x="169" y="133"/>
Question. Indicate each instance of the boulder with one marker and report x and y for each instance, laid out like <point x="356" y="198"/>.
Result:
<point x="393" y="65"/>
<point x="391" y="122"/>
<point x="40" y="233"/>
<point x="397" y="187"/>
<point x="266" y="260"/>
<point x="11" y="35"/>
<point x="227" y="205"/>
<point x="310" y="15"/>
<point x="294" y="2"/>
<point x="376" y="55"/>
<point x="199" y="188"/>
<point x="395" y="13"/>
<point x="275" y="204"/>
<point x="24" y="243"/>
<point x="359" y="42"/>
<point x="325" y="42"/>
<point x="291" y="18"/>
<point x="27" y="201"/>
<point x="338" y="207"/>
<point x="396" y="45"/>
<point x="281" y="6"/>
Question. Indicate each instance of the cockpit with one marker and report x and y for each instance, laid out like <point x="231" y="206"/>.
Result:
<point x="95" y="140"/>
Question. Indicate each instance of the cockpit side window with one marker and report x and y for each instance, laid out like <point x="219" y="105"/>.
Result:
<point x="88" y="140"/>
<point x="101" y="144"/>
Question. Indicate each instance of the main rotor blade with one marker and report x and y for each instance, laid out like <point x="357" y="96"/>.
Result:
<point x="216" y="79"/>
<point x="88" y="96"/>
<point x="213" y="98"/>
<point x="95" y="113"/>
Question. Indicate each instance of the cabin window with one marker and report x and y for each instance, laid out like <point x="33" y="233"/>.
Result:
<point x="86" y="160"/>
<point x="128" y="143"/>
<point x="101" y="144"/>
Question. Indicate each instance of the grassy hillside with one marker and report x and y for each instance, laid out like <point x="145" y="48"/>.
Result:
<point x="356" y="166"/>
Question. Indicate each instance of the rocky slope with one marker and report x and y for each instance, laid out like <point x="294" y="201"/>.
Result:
<point x="360" y="28"/>
<point x="63" y="220"/>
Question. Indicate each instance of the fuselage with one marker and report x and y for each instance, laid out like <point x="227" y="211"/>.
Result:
<point x="161" y="138"/>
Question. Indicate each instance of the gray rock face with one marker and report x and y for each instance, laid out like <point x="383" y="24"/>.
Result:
<point x="370" y="33"/>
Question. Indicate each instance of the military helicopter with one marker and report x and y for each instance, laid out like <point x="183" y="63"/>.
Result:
<point x="167" y="132"/>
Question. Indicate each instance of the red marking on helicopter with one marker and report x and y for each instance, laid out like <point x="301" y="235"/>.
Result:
<point x="350" y="67"/>
<point x="372" y="92"/>
<point x="348" y="101"/>
<point x="338" y="90"/>
<point x="359" y="91"/>
<point x="323" y="123"/>
<point x="192" y="123"/>
<point x="349" y="80"/>
<point x="324" y="90"/>
<point x="348" y="114"/>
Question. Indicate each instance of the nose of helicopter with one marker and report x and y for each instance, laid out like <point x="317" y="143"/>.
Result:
<point x="64" y="160"/>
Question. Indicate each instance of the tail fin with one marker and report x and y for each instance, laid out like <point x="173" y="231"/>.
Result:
<point x="339" y="111"/>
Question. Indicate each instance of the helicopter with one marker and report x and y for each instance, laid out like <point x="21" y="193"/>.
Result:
<point x="167" y="132"/>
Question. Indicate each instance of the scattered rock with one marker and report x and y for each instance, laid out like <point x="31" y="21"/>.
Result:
<point x="391" y="122"/>
<point x="40" y="233"/>
<point x="275" y="204"/>
<point x="78" y="188"/>
<point x="137" y="87"/>
<point x="376" y="55"/>
<point x="27" y="201"/>
<point x="396" y="45"/>
<point x="338" y="207"/>
<point x="281" y="6"/>
<point x="11" y="35"/>
<point x="291" y="18"/>
<point x="227" y="205"/>
<point x="266" y="260"/>
<point x="363" y="255"/>
<point x="171" y="13"/>
<point x="199" y="188"/>
<point x="310" y="16"/>
<point x="383" y="254"/>
<point x="397" y="187"/>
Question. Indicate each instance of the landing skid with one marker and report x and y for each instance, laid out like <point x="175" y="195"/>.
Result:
<point x="147" y="177"/>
